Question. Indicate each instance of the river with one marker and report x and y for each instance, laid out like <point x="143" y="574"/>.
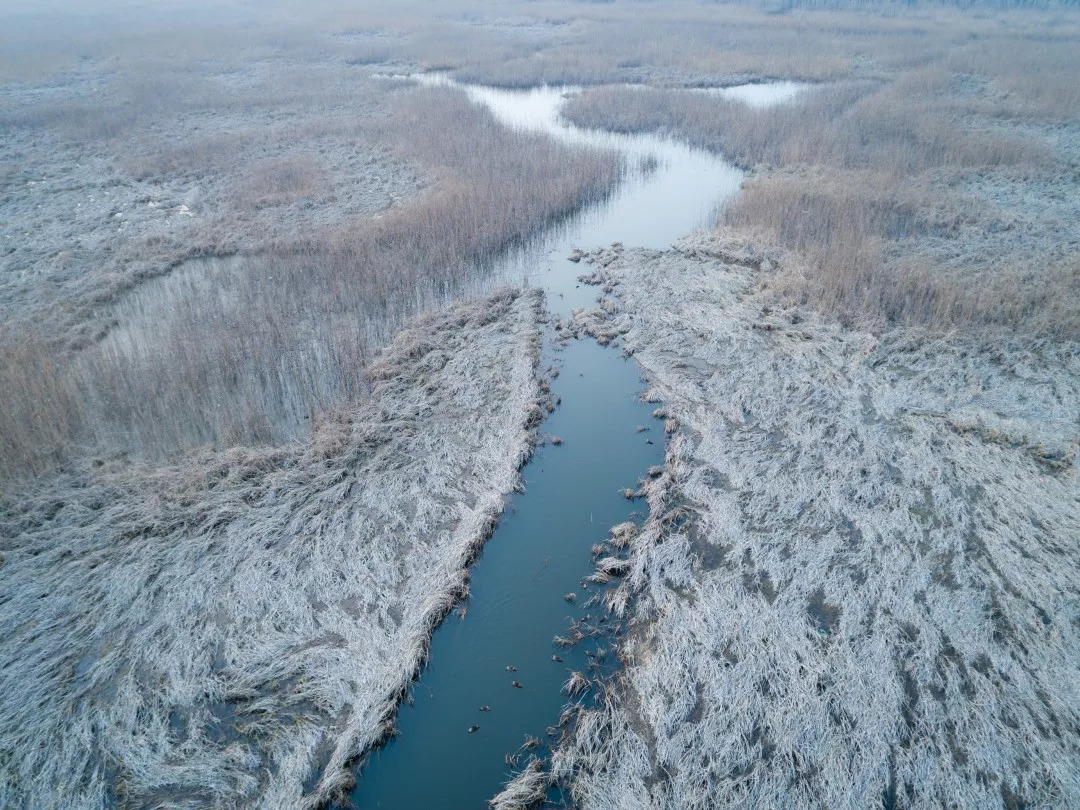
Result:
<point x="573" y="492"/>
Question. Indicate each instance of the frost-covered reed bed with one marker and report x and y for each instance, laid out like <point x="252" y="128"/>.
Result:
<point x="906" y="194"/>
<point x="874" y="601"/>
<point x="235" y="629"/>
<point x="161" y="355"/>
<point x="525" y="790"/>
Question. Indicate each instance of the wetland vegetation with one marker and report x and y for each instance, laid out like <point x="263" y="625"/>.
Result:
<point x="280" y="331"/>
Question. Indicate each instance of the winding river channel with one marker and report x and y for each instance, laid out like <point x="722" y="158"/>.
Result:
<point x="541" y="548"/>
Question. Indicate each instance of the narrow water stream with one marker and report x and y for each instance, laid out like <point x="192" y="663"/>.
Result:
<point x="541" y="548"/>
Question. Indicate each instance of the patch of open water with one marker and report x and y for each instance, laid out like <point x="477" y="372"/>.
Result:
<point x="759" y="96"/>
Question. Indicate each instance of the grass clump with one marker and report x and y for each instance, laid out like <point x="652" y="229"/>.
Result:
<point x="525" y="790"/>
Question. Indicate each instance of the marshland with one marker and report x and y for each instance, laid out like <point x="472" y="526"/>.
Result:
<point x="605" y="405"/>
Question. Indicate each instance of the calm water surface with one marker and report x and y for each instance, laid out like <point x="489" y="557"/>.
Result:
<point x="541" y="548"/>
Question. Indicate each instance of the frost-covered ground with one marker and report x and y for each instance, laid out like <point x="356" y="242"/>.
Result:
<point x="1006" y="220"/>
<point x="233" y="630"/>
<point x="874" y="602"/>
<point x="107" y="180"/>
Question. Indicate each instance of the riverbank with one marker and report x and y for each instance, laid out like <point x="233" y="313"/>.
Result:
<point x="602" y="443"/>
<point x="463" y="718"/>
<point x="875" y="601"/>
<point x="239" y="628"/>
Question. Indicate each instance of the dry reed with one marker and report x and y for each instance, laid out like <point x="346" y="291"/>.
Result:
<point x="237" y="629"/>
<point x="250" y="351"/>
<point x="872" y="603"/>
<point x="857" y="174"/>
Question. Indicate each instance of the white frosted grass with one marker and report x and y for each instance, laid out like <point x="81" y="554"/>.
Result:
<point x="876" y="600"/>
<point x="525" y="790"/>
<point x="236" y="629"/>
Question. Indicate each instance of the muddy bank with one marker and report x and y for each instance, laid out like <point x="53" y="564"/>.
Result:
<point x="236" y="629"/>
<point x="870" y="597"/>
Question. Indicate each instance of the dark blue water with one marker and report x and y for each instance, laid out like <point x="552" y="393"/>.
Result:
<point x="539" y="552"/>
